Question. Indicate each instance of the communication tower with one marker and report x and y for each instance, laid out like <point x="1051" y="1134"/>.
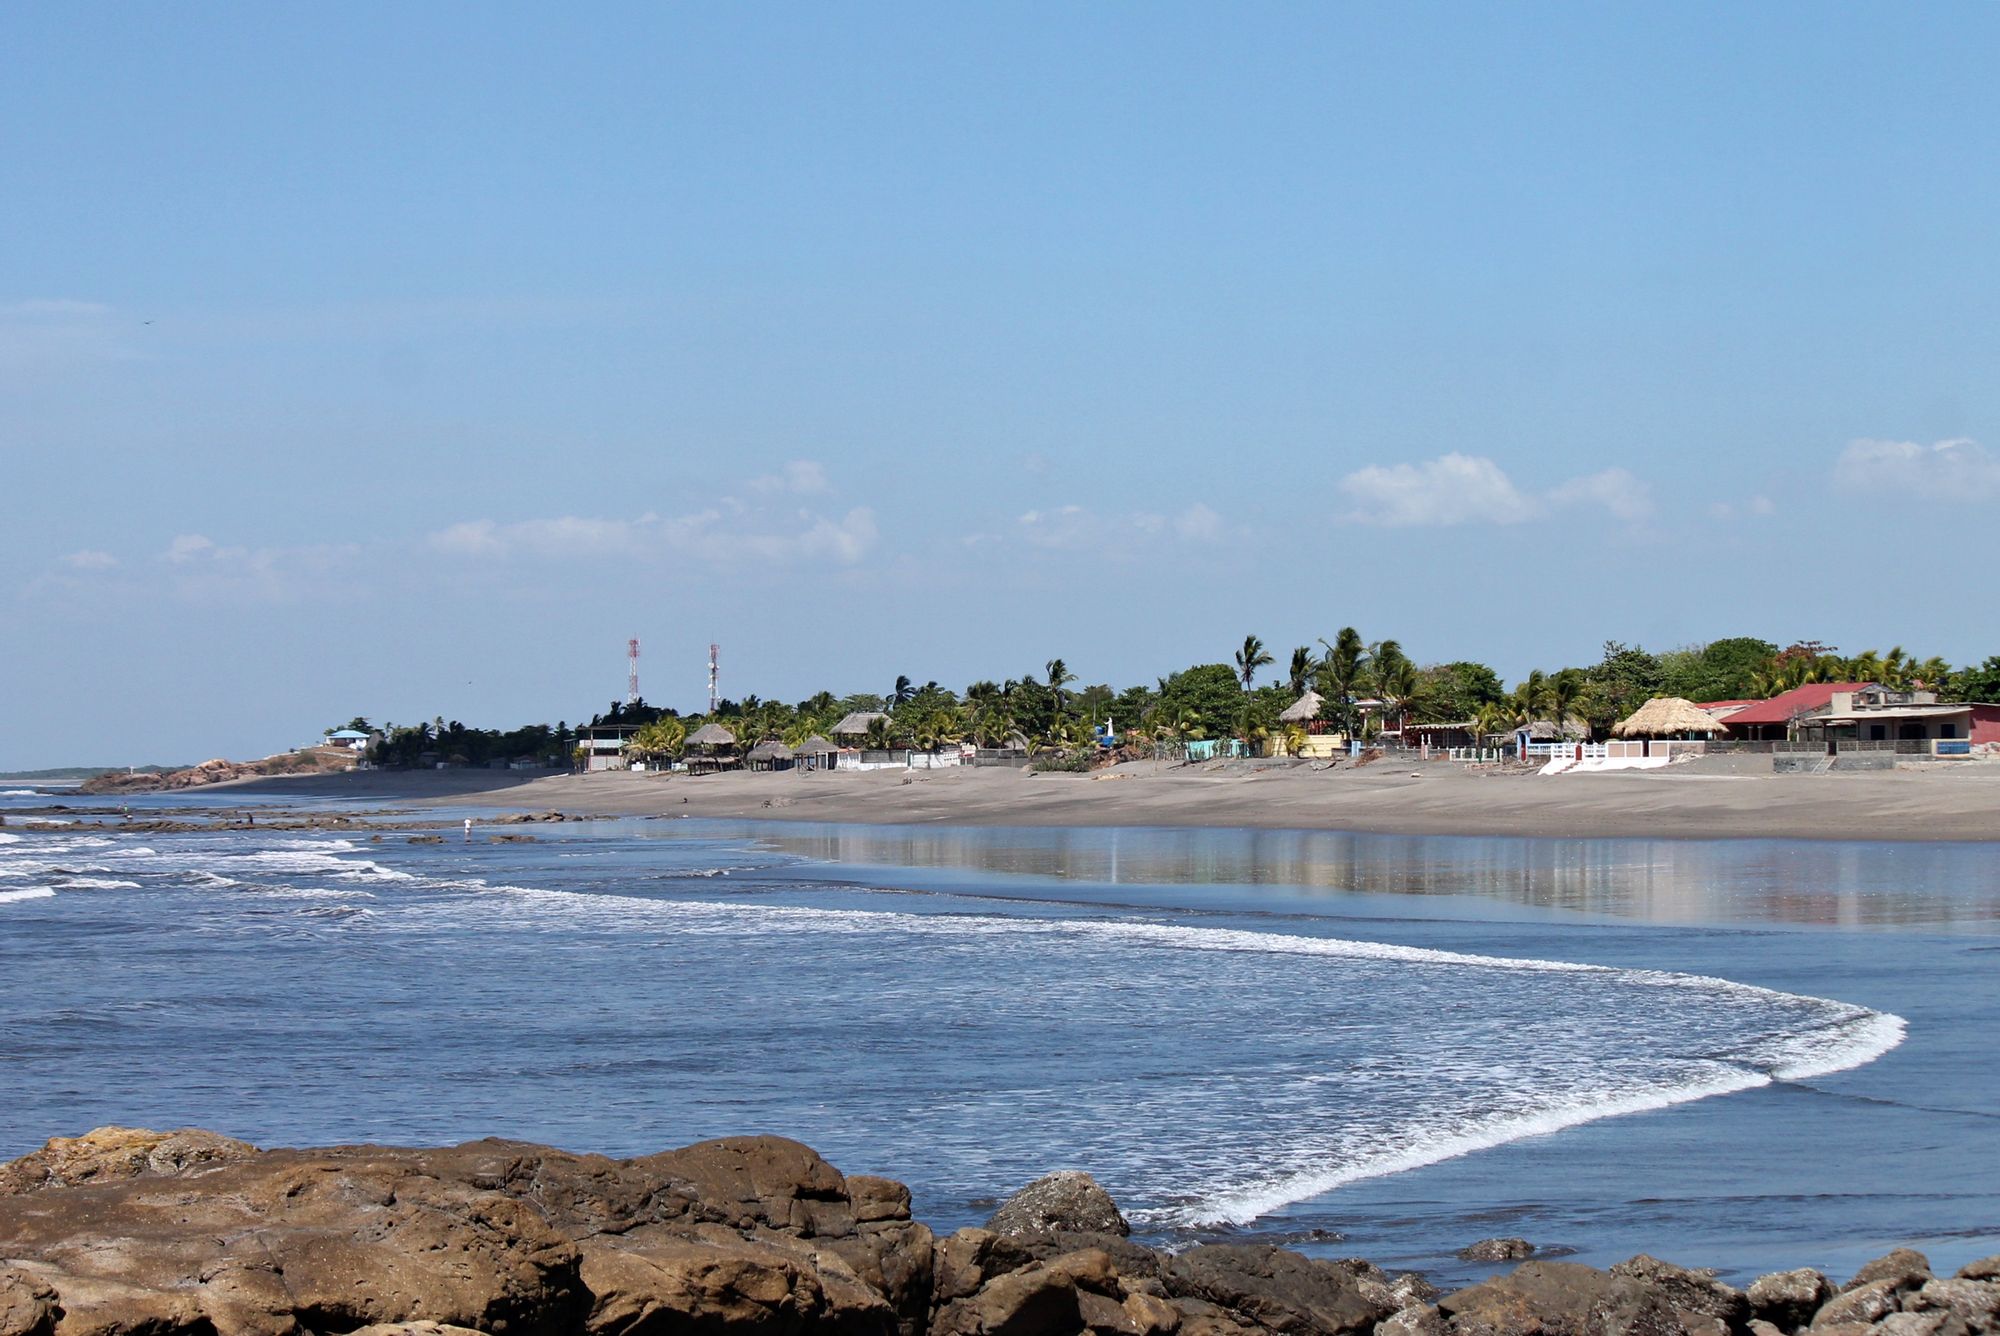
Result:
<point x="714" y="658"/>
<point x="632" y="671"/>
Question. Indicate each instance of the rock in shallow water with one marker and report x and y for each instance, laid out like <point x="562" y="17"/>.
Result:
<point x="1497" y="1250"/>
<point x="1065" y="1202"/>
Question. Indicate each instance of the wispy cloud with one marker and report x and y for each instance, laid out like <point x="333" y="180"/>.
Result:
<point x="800" y="477"/>
<point x="90" y="559"/>
<point x="707" y="535"/>
<point x="48" y="336"/>
<point x="1955" y="470"/>
<point x="1075" y="528"/>
<point x="1458" y="489"/>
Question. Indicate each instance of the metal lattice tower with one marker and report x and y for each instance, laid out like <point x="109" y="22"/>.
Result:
<point x="632" y="671"/>
<point x="714" y="659"/>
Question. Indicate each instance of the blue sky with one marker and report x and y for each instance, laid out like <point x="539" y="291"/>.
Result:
<point x="406" y="360"/>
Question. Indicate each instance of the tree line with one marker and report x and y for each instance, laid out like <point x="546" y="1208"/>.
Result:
<point x="1365" y="687"/>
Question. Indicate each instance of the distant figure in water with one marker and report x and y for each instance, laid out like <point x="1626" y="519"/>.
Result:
<point x="468" y="830"/>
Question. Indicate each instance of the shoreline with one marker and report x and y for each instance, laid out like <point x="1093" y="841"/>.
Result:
<point x="1717" y="799"/>
<point x="122" y="1229"/>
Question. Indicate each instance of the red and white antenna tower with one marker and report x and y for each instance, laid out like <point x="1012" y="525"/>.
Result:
<point x="714" y="659"/>
<point x="632" y="671"/>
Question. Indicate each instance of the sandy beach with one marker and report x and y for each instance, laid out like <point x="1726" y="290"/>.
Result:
<point x="1714" y="798"/>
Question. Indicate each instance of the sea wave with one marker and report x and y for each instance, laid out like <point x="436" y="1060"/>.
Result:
<point x="99" y="884"/>
<point x="26" y="893"/>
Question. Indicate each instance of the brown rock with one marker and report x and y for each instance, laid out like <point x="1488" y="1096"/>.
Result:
<point x="1986" y="1268"/>
<point x="878" y="1198"/>
<point x="659" y="1284"/>
<point x="112" y="1153"/>
<point x="1908" y="1268"/>
<point x="1694" y="1291"/>
<point x="1063" y="1202"/>
<point x="1560" y="1299"/>
<point x="1416" y="1320"/>
<point x="1976" y="1303"/>
<point x="27" y="1305"/>
<point x="1497" y="1250"/>
<point x="1034" y="1301"/>
<point x="1788" y="1299"/>
<point x="1278" y="1289"/>
<point x="1866" y="1304"/>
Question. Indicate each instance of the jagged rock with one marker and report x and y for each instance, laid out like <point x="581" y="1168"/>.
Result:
<point x="1986" y="1268"/>
<point x="1918" y="1324"/>
<point x="1411" y="1288"/>
<point x="1497" y="1250"/>
<point x="1416" y="1320"/>
<point x="1976" y="1303"/>
<point x="1560" y="1299"/>
<point x="414" y="1329"/>
<point x="1866" y="1304"/>
<point x="1276" y="1288"/>
<point x="113" y="1153"/>
<point x="1066" y="1201"/>
<point x="653" y="1285"/>
<point x="27" y="1305"/>
<point x="1788" y="1299"/>
<point x="1034" y="1301"/>
<point x="1906" y="1266"/>
<point x="1757" y="1326"/>
<point x="1691" y="1290"/>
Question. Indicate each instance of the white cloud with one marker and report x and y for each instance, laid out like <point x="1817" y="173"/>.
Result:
<point x="1955" y="470"/>
<point x="800" y="477"/>
<point x="1471" y="489"/>
<point x="50" y="336"/>
<point x="1076" y="528"/>
<point x="1626" y="497"/>
<point x="90" y="559"/>
<point x="709" y="535"/>
<point x="189" y="547"/>
<point x="1757" y="506"/>
<point x="1451" y="489"/>
<point x="1198" y="524"/>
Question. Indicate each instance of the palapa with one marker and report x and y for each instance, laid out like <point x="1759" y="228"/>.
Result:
<point x="815" y="746"/>
<point x="856" y="725"/>
<point x="1303" y="710"/>
<point x="712" y="735"/>
<point x="1667" y="716"/>
<point x="769" y="750"/>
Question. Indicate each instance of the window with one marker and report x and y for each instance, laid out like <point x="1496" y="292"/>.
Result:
<point x="1947" y="730"/>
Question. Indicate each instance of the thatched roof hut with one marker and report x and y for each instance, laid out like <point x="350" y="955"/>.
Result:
<point x="711" y="735"/>
<point x="856" y="725"/>
<point x="815" y="746"/>
<point x="1545" y="730"/>
<point x="1668" y="717"/>
<point x="769" y="750"/>
<point x="1303" y="710"/>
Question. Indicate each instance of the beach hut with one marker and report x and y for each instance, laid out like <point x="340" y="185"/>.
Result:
<point x="711" y="747"/>
<point x="1668" y="717"/>
<point x="769" y="755"/>
<point x="855" y="726"/>
<point x="816" y="753"/>
<point x="1303" y="710"/>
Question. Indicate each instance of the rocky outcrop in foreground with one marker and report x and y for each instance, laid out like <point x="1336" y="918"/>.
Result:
<point x="133" y="1233"/>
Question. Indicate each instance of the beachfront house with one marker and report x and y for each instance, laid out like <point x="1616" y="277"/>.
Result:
<point x="1879" y="714"/>
<point x="852" y="731"/>
<point x="1778" y="719"/>
<point x="602" y="746"/>
<point x="348" y="739"/>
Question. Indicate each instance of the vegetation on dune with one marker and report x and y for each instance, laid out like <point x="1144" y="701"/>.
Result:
<point x="1365" y="688"/>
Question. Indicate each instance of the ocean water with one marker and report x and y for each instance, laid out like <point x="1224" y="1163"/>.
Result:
<point x="1740" y="1054"/>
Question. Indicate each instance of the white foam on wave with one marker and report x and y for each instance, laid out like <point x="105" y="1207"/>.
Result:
<point x="99" y="884"/>
<point x="1845" y="1036"/>
<point x="6" y="838"/>
<point x="26" y="893"/>
<point x="20" y="793"/>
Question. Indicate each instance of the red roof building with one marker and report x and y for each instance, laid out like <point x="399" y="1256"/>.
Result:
<point x="1772" y="720"/>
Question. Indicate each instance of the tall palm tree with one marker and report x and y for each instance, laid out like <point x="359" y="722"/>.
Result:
<point x="1395" y="680"/>
<point x="1341" y="672"/>
<point x="1302" y="670"/>
<point x="1531" y="698"/>
<point x="1250" y="658"/>
<point x="1565" y="690"/>
<point x="905" y="689"/>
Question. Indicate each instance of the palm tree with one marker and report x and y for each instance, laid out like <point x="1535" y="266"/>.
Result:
<point x="1250" y="658"/>
<point x="1059" y="677"/>
<point x="881" y="734"/>
<point x="1340" y="672"/>
<point x="1531" y="698"/>
<point x="1302" y="670"/>
<point x="905" y="689"/>
<point x="1565" y="689"/>
<point x="1396" y="680"/>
